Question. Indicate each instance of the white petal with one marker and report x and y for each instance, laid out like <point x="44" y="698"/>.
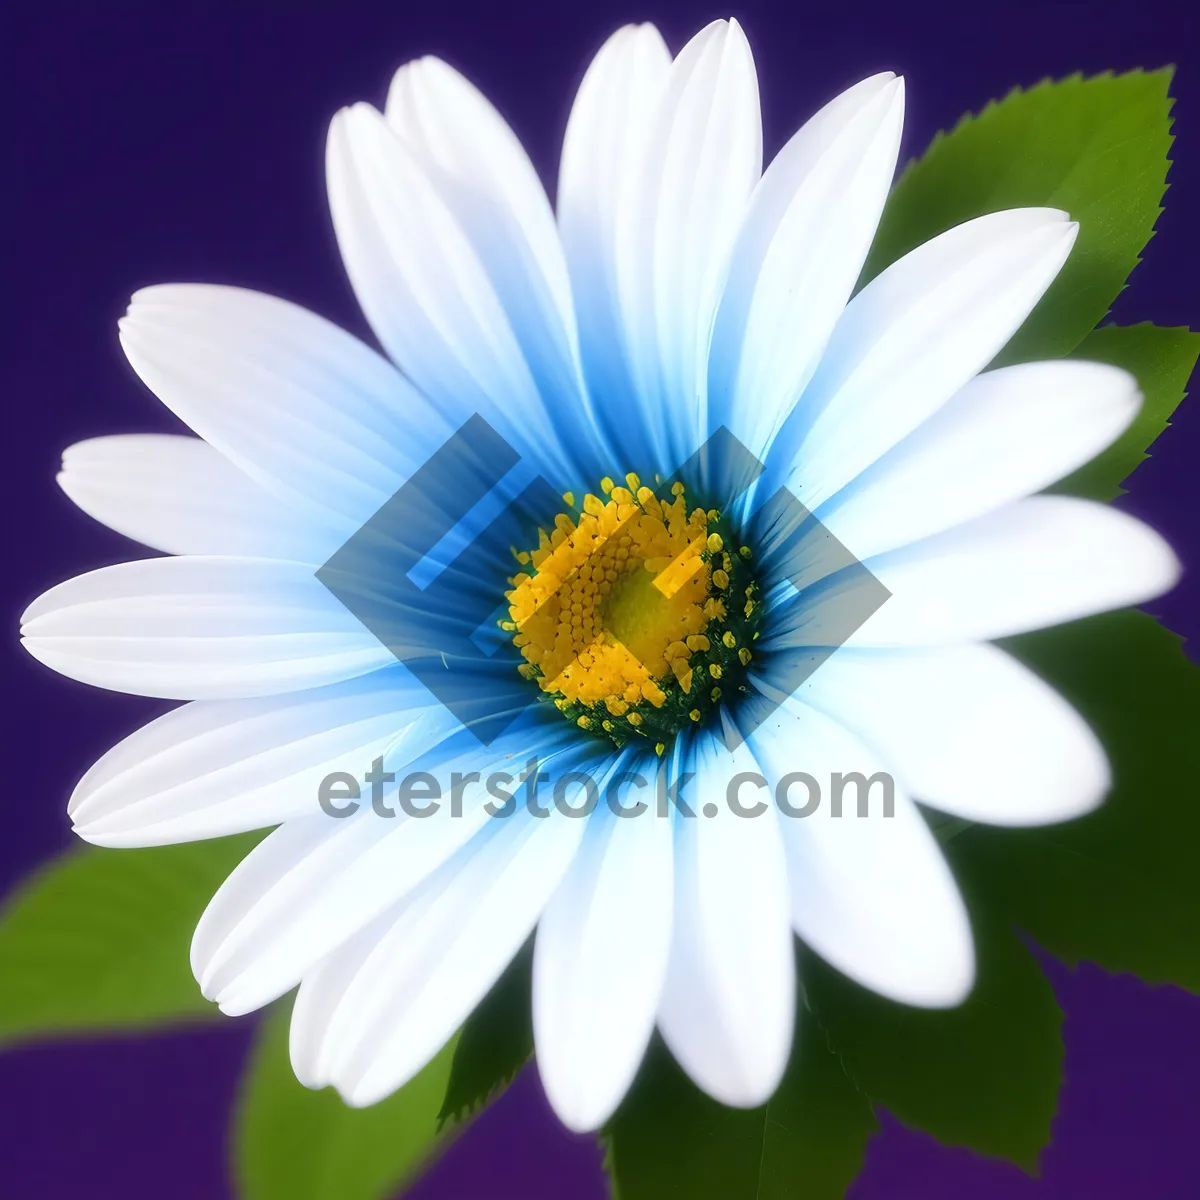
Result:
<point x="1007" y="434"/>
<point x="213" y="768"/>
<point x="968" y="730"/>
<point x="198" y="628"/>
<point x="424" y="288"/>
<point x="454" y="128"/>
<point x="603" y="149"/>
<point x="300" y="405"/>
<point x="678" y="222"/>
<point x="871" y="894"/>
<point x="321" y="992"/>
<point x="600" y="960"/>
<point x="402" y="998"/>
<point x="179" y="495"/>
<point x="802" y="245"/>
<point x="916" y="334"/>
<point x="281" y="912"/>
<point x="1038" y="562"/>
<point x="485" y="177"/>
<point x="278" y="877"/>
<point x="728" y="1007"/>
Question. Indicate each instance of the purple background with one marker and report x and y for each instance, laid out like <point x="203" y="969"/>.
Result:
<point x="149" y="142"/>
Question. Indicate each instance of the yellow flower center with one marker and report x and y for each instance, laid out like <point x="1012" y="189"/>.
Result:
<point x="635" y="614"/>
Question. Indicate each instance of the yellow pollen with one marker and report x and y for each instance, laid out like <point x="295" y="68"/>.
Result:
<point x="683" y="673"/>
<point x="618" y="610"/>
<point x="595" y="644"/>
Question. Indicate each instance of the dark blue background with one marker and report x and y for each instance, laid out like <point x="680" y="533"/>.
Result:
<point x="151" y="142"/>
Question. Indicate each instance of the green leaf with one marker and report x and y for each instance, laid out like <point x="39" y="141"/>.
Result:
<point x="495" y="1042"/>
<point x="984" y="1075"/>
<point x="670" y="1139"/>
<point x="291" y="1143"/>
<point x="1162" y="360"/>
<point x="1119" y="887"/>
<point x="97" y="940"/>
<point x="1096" y="148"/>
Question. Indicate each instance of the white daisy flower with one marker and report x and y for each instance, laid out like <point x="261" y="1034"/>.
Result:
<point x="677" y="289"/>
